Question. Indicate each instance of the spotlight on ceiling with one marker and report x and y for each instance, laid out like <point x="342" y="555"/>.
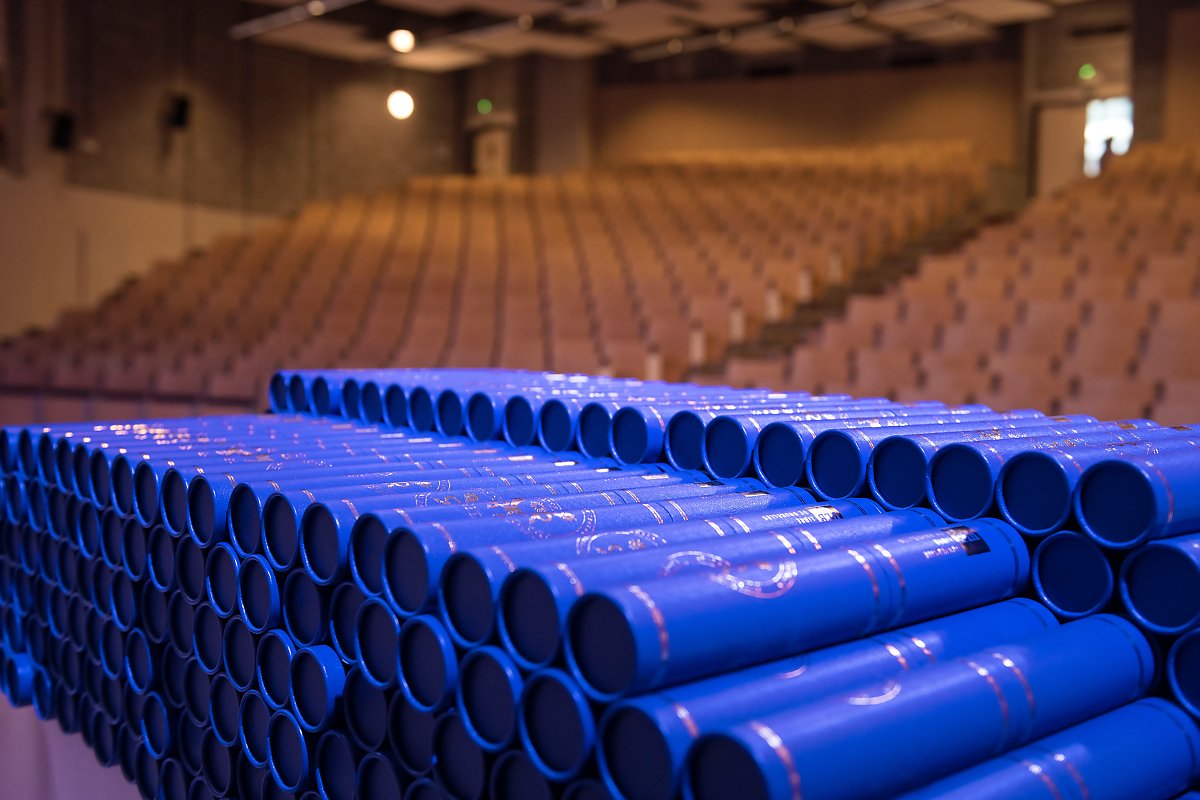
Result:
<point x="400" y="104"/>
<point x="402" y="41"/>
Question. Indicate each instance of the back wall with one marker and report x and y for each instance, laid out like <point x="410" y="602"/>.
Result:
<point x="978" y="101"/>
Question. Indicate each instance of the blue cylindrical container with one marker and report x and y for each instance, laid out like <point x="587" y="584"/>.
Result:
<point x="288" y="752"/>
<point x="1125" y="502"/>
<point x="1160" y="584"/>
<point x="1143" y="751"/>
<point x="961" y="480"/>
<point x="1034" y="490"/>
<point x="410" y="734"/>
<point x="515" y="777"/>
<point x="378" y="778"/>
<point x="254" y="715"/>
<point x="275" y="652"/>
<point x="336" y="765"/>
<point x="535" y="600"/>
<point x="921" y="726"/>
<point x="898" y="465"/>
<point x="639" y="637"/>
<point x="413" y="556"/>
<point x="258" y="595"/>
<point x="428" y="663"/>
<point x="644" y="740"/>
<point x="557" y="724"/>
<point x="365" y="706"/>
<point x="1072" y="575"/>
<point x="1183" y="672"/>
<point x="489" y="688"/>
<point x="460" y="765"/>
<point x="317" y="681"/>
<point x="305" y="609"/>
<point x="377" y="637"/>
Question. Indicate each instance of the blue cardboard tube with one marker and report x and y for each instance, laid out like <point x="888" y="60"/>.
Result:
<point x="195" y="690"/>
<point x="365" y="706"/>
<point x="141" y="661"/>
<point x="181" y="625"/>
<point x="536" y="599"/>
<point x="410" y="734"/>
<point x="378" y="642"/>
<point x="643" y="740"/>
<point x="485" y="417"/>
<point x="971" y="708"/>
<point x="520" y="421"/>
<point x="1072" y="575"/>
<point x="514" y="777"/>
<point x="1160" y="584"/>
<point x="224" y="710"/>
<point x="593" y="434"/>
<point x="1183" y="672"/>
<point x="422" y="414"/>
<point x="157" y="725"/>
<point x="639" y="637"/>
<point x="344" y="604"/>
<point x="336" y="763"/>
<point x="557" y="724"/>
<point x="305" y="609"/>
<point x="558" y="424"/>
<point x="288" y="752"/>
<point x="451" y="412"/>
<point x="1034" y="490"/>
<point x="254" y="715"/>
<point x="424" y="789"/>
<point x="241" y="648"/>
<point x="489" y="688"/>
<point x="325" y="396"/>
<point x="413" y="555"/>
<point x="378" y="778"/>
<point x="250" y="780"/>
<point x="274" y="669"/>
<point x="221" y="579"/>
<point x="836" y="463"/>
<point x="318" y="679"/>
<point x="428" y="663"/>
<point x="258" y="594"/>
<point x="961" y="480"/>
<point x="1123" y="503"/>
<point x="460" y="765"/>
<point x="173" y="780"/>
<point x="190" y="570"/>
<point x="1147" y="749"/>
<point x="208" y="633"/>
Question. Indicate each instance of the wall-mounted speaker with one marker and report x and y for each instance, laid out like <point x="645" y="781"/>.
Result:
<point x="62" y="130"/>
<point x="179" y="111"/>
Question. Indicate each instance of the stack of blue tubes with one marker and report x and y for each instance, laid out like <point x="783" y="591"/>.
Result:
<point x="467" y="584"/>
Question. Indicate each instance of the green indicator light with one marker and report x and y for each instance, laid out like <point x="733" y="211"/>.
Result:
<point x="483" y="106"/>
<point x="1087" y="72"/>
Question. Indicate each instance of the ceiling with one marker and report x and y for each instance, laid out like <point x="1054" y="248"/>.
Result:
<point x="453" y="34"/>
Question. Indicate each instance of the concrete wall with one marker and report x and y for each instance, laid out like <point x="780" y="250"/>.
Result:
<point x="269" y="128"/>
<point x="977" y="101"/>
<point x="1182" y="83"/>
<point x="64" y="246"/>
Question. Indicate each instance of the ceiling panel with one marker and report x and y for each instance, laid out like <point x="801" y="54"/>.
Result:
<point x="952" y="32"/>
<point x="433" y="8"/>
<point x="1002" y="12"/>
<point x="637" y="24"/>
<point x="326" y="37"/>
<point x="518" y="42"/>
<point x="899" y="16"/>
<point x="843" y="36"/>
<point x="762" y="46"/>
<point x="440" y="57"/>
<point x="721" y="14"/>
